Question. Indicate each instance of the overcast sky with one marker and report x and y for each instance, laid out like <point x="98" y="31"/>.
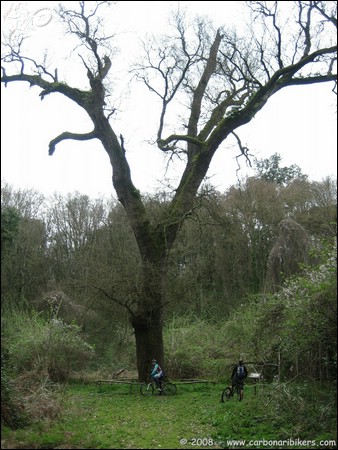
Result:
<point x="299" y="123"/>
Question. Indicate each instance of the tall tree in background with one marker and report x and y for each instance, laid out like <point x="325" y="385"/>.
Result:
<point x="23" y="245"/>
<point x="270" y="170"/>
<point x="222" y="79"/>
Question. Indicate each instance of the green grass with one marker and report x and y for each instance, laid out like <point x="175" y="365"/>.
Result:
<point x="113" y="417"/>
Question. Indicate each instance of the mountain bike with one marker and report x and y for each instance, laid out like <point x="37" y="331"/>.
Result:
<point x="165" y="388"/>
<point x="230" y="391"/>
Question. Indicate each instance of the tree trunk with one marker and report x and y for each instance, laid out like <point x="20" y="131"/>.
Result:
<point x="147" y="320"/>
<point x="149" y="341"/>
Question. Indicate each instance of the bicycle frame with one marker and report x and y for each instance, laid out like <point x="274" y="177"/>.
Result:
<point x="230" y="391"/>
<point x="166" y="388"/>
<point x="236" y="389"/>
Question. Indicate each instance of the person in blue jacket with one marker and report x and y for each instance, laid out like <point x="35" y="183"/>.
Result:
<point x="156" y="373"/>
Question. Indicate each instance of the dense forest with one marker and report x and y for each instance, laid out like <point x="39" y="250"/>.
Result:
<point x="244" y="281"/>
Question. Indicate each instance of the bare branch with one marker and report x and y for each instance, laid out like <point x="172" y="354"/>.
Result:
<point x="244" y="151"/>
<point x="305" y="27"/>
<point x="112" y="297"/>
<point x="67" y="135"/>
<point x="320" y="6"/>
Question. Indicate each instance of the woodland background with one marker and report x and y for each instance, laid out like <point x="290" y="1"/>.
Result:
<point x="253" y="275"/>
<point x="63" y="260"/>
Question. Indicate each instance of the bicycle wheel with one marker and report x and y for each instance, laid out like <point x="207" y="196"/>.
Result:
<point x="226" y="394"/>
<point x="147" y="389"/>
<point x="169" y="389"/>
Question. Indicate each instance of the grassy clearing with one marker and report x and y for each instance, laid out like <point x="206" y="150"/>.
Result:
<point x="112" y="417"/>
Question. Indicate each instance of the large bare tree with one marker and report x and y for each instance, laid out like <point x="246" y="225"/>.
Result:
<point x="217" y="79"/>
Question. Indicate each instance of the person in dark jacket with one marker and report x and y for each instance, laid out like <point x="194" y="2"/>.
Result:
<point x="238" y="375"/>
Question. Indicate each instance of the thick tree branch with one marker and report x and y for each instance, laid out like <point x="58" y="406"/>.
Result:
<point x="194" y="173"/>
<point x="78" y="96"/>
<point x="163" y="144"/>
<point x="281" y="79"/>
<point x="312" y="80"/>
<point x="202" y="85"/>
<point x="67" y="135"/>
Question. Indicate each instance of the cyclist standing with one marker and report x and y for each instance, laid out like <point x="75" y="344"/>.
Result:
<point x="156" y="373"/>
<point x="238" y="375"/>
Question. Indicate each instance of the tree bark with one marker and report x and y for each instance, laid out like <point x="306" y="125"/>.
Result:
<point x="148" y="330"/>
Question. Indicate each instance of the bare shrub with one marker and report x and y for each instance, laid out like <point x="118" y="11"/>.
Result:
<point x="41" y="398"/>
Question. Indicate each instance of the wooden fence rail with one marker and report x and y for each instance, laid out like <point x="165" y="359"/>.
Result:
<point x="134" y="382"/>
